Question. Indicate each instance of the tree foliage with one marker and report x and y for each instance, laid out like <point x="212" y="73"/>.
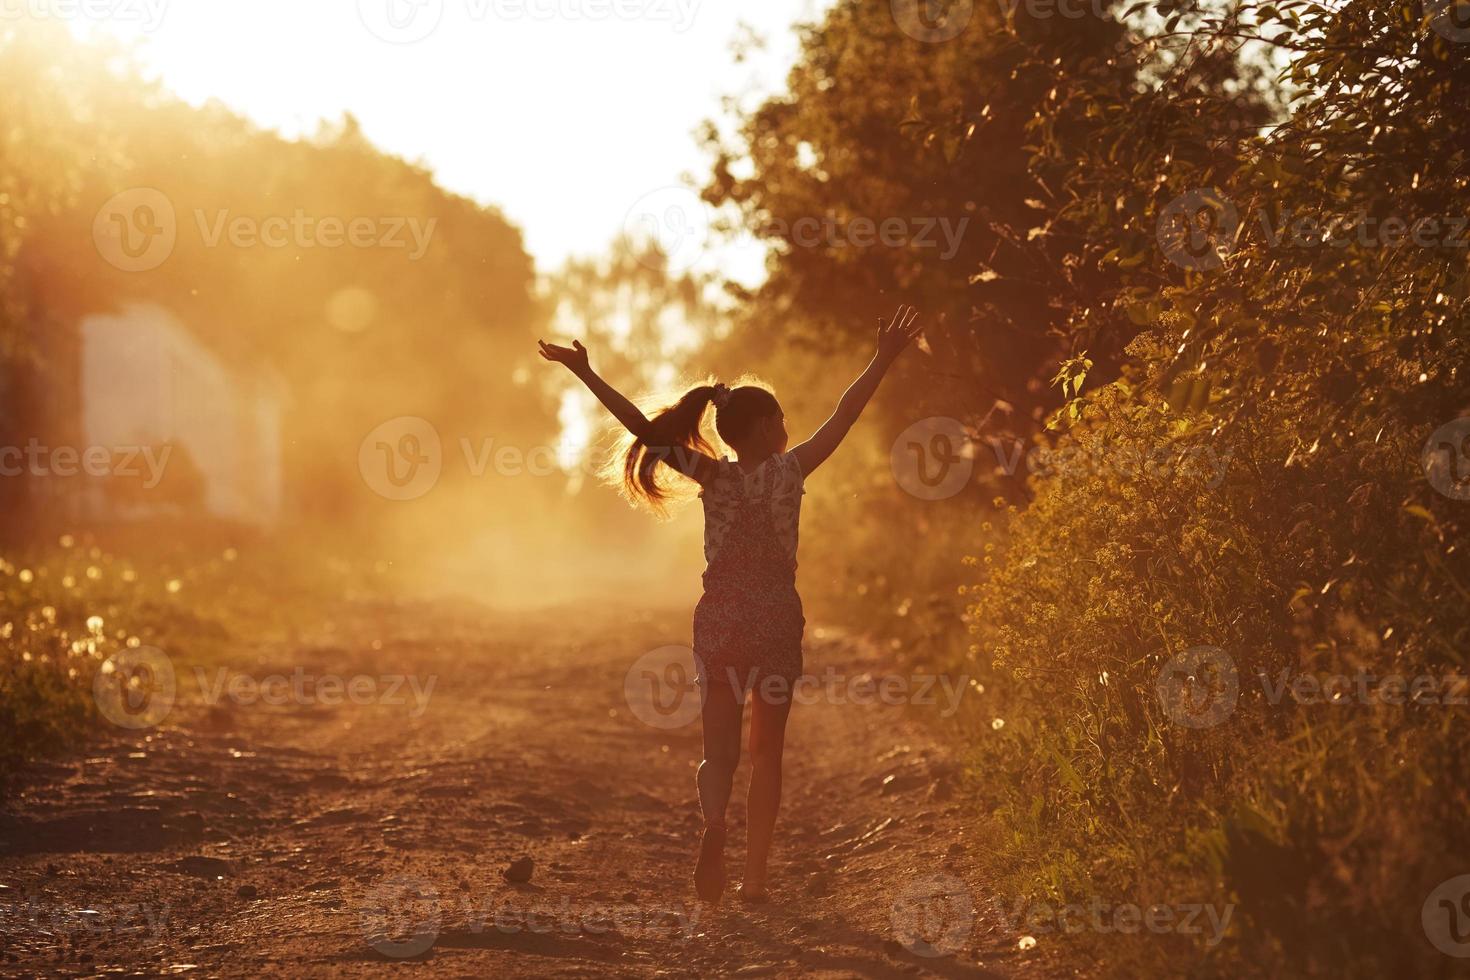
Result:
<point x="1233" y="235"/>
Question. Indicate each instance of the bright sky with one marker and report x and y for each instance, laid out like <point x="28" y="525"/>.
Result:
<point x="566" y="114"/>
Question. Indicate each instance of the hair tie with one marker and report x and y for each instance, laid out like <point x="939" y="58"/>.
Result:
<point x="721" y="397"/>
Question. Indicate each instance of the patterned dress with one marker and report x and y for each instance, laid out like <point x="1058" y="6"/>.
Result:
<point x="748" y="624"/>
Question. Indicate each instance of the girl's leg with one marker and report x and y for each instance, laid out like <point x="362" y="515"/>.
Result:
<point x="767" y="743"/>
<point x="721" y="721"/>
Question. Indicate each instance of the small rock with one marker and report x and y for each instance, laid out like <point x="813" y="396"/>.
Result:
<point x="191" y="822"/>
<point x="247" y="892"/>
<point x="630" y="896"/>
<point x="901" y="783"/>
<point x="520" y="870"/>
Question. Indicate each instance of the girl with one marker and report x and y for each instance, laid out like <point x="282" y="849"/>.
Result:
<point x="748" y="625"/>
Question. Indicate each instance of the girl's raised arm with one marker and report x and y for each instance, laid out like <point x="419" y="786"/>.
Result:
<point x="575" y="360"/>
<point x="892" y="339"/>
<point x="685" y="459"/>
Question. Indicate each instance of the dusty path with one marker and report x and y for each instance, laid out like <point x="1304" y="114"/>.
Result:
<point x="365" y="839"/>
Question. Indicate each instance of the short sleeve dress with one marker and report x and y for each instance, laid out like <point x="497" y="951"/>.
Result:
<point x="749" y="623"/>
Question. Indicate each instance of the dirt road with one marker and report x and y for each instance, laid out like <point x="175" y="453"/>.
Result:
<point x="299" y="824"/>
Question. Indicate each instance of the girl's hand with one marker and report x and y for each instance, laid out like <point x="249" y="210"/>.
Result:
<point x="894" y="337"/>
<point x="574" y="357"/>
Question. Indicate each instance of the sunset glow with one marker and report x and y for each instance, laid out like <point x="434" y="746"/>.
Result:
<point x="578" y="83"/>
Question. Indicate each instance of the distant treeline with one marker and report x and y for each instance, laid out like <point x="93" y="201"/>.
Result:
<point x="367" y="289"/>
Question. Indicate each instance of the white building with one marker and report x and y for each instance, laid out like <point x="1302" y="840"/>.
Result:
<point x="214" y="429"/>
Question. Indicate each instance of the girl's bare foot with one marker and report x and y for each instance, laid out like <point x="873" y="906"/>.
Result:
<point x="709" y="870"/>
<point x="752" y="893"/>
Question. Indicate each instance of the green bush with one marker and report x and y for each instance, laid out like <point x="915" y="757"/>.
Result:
<point x="1327" y="824"/>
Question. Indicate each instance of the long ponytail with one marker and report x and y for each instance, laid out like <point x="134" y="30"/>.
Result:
<point x="677" y="428"/>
